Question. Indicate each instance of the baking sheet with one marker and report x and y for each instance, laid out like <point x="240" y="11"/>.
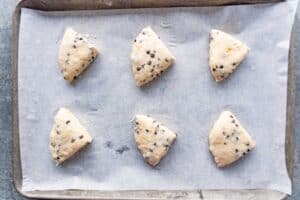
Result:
<point x="186" y="98"/>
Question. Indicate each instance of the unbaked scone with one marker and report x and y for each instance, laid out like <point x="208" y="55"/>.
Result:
<point x="228" y="140"/>
<point x="149" y="56"/>
<point x="225" y="54"/>
<point x="75" y="54"/>
<point x="67" y="136"/>
<point x="153" y="139"/>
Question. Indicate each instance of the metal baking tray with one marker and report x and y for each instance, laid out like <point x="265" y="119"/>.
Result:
<point x="64" y="5"/>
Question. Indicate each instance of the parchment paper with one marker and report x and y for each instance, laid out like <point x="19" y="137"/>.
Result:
<point x="186" y="98"/>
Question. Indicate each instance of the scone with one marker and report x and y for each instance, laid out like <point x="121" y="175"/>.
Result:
<point x="67" y="136"/>
<point x="228" y="140"/>
<point x="75" y="54"/>
<point x="225" y="54"/>
<point x="149" y="56"/>
<point x="153" y="139"/>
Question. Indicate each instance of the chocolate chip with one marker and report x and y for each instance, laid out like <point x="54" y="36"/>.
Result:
<point x="166" y="60"/>
<point x="138" y="68"/>
<point x="80" y="137"/>
<point x="155" y="133"/>
<point x="82" y="65"/>
<point x="248" y="150"/>
<point x="57" y="158"/>
<point x="74" y="46"/>
<point x="154" y="144"/>
<point x="74" y="77"/>
<point x="214" y="69"/>
<point x="224" y="133"/>
<point x="75" y="41"/>
<point x="68" y="54"/>
<point x="93" y="57"/>
<point x="147" y="130"/>
<point x="233" y="121"/>
<point x="152" y="55"/>
<point x="236" y="125"/>
<point x="152" y="70"/>
<point x="57" y="132"/>
<point x="221" y="67"/>
<point x="231" y="116"/>
<point x="73" y="140"/>
<point x="80" y="38"/>
<point x="67" y="122"/>
<point x="150" y="150"/>
<point x="247" y="144"/>
<point x="233" y="64"/>
<point x="134" y="40"/>
<point x="227" y="136"/>
<point x="147" y="52"/>
<point x="166" y="145"/>
<point x="237" y="138"/>
<point x="149" y="62"/>
<point x="143" y="33"/>
<point x="222" y="76"/>
<point x="236" y="150"/>
<point x="52" y="144"/>
<point x="225" y="143"/>
<point x="244" y="153"/>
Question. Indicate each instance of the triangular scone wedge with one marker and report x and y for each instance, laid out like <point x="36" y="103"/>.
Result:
<point x="228" y="140"/>
<point x="75" y="54"/>
<point x="153" y="139"/>
<point x="225" y="54"/>
<point x="67" y="136"/>
<point x="149" y="56"/>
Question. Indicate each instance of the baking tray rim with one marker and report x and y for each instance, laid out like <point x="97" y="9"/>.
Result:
<point x="132" y="194"/>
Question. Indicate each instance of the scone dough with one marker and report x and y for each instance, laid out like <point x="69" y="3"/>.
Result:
<point x="228" y="140"/>
<point x="75" y="54"/>
<point x="225" y="54"/>
<point x="153" y="139"/>
<point x="67" y="136"/>
<point x="149" y="56"/>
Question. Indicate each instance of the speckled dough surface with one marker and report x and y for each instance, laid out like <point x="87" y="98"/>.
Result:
<point x="228" y="140"/>
<point x="67" y="136"/>
<point x="75" y="54"/>
<point x="153" y="139"/>
<point x="225" y="54"/>
<point x="149" y="56"/>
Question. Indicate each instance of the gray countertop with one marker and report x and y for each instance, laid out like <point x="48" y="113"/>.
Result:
<point x="7" y="190"/>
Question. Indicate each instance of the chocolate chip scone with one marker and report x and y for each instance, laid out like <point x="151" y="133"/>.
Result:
<point x="228" y="140"/>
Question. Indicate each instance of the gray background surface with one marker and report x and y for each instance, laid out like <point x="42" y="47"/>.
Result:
<point x="7" y="190"/>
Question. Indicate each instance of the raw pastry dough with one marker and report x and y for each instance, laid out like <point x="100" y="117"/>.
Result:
<point x="225" y="54"/>
<point x="67" y="136"/>
<point x="149" y="57"/>
<point x="228" y="140"/>
<point x="153" y="139"/>
<point x="75" y="54"/>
